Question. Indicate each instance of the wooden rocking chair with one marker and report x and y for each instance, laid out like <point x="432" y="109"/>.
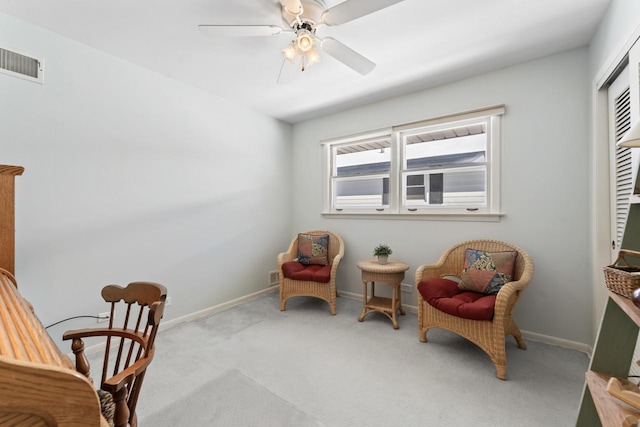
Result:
<point x="125" y="362"/>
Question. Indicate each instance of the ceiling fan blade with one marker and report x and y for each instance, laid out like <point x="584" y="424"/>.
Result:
<point x="347" y="56"/>
<point x="353" y="9"/>
<point x="294" y="7"/>
<point x="240" y="30"/>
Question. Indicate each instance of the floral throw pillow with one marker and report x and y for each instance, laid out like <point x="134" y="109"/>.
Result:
<point x="487" y="272"/>
<point x="313" y="249"/>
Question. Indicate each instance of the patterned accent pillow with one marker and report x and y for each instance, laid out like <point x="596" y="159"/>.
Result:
<point x="313" y="249"/>
<point x="487" y="272"/>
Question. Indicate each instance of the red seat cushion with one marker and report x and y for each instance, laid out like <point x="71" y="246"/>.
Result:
<point x="310" y="273"/>
<point x="444" y="295"/>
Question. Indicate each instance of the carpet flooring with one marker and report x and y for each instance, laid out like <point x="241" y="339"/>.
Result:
<point x="253" y="365"/>
<point x="232" y="399"/>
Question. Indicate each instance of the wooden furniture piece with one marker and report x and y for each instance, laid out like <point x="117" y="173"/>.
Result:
<point x="391" y="274"/>
<point x="38" y="385"/>
<point x="7" y="216"/>
<point x="612" y="357"/>
<point x="489" y="335"/>
<point x="141" y="305"/>
<point x="325" y="291"/>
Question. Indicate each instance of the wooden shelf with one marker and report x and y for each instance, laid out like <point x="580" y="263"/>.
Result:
<point x="612" y="356"/>
<point x="612" y="411"/>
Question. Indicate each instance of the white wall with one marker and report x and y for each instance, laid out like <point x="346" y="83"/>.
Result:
<point x="544" y="186"/>
<point x="620" y="22"/>
<point x="132" y="176"/>
<point x="620" y="26"/>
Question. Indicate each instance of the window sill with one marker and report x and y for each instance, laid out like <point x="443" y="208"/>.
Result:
<point x="472" y="217"/>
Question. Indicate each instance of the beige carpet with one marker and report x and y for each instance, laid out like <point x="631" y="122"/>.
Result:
<point x="255" y="365"/>
<point x="232" y="399"/>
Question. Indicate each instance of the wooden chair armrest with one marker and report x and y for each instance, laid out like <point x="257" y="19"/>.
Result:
<point x="115" y="383"/>
<point x="77" y="346"/>
<point x="104" y="332"/>
<point x="84" y="333"/>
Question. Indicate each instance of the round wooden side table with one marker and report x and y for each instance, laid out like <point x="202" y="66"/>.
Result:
<point x="391" y="274"/>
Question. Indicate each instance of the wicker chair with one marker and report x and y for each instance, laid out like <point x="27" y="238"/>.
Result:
<point x="325" y="291"/>
<point x="489" y="335"/>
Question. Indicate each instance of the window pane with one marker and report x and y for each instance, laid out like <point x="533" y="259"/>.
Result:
<point x="365" y="192"/>
<point x="363" y="159"/>
<point x="446" y="152"/>
<point x="450" y="188"/>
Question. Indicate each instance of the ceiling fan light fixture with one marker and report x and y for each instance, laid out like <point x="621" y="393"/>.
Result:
<point x="304" y="41"/>
<point x="290" y="52"/>
<point x="313" y="57"/>
<point x="304" y="46"/>
<point x="309" y="57"/>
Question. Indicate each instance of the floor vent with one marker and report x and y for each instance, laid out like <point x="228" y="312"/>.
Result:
<point x="274" y="278"/>
<point x="19" y="65"/>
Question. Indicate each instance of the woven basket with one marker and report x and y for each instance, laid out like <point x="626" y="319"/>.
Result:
<point x="622" y="277"/>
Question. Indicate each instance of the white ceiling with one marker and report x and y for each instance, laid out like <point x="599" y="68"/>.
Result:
<point x="416" y="44"/>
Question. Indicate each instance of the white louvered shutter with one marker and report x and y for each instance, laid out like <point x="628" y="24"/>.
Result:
<point x="623" y="165"/>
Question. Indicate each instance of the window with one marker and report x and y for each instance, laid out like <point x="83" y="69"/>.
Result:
<point x="445" y="166"/>
<point x="439" y="167"/>
<point x="361" y="173"/>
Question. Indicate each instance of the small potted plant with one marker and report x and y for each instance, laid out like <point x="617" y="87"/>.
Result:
<point x="382" y="251"/>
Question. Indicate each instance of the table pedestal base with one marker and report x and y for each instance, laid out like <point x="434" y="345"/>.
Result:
<point x="387" y="306"/>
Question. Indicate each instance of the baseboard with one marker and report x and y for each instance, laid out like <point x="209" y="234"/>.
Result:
<point x="533" y="336"/>
<point x="214" y="309"/>
<point x="193" y="316"/>
<point x="573" y="345"/>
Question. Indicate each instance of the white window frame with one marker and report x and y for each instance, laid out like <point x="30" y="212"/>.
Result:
<point x="491" y="116"/>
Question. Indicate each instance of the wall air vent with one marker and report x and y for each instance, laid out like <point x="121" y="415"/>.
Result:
<point x="274" y="278"/>
<point x="17" y="64"/>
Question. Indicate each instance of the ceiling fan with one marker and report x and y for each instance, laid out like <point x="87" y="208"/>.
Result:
<point x="302" y="18"/>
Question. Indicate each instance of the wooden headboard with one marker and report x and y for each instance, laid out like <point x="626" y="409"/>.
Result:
<point x="7" y="216"/>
